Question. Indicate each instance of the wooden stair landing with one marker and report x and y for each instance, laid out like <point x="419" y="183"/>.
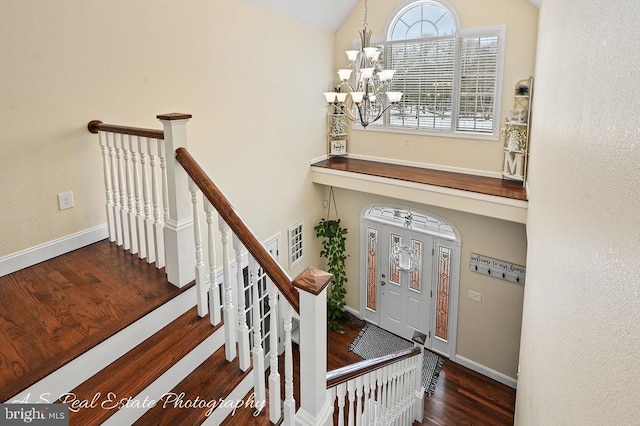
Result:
<point x="54" y="311"/>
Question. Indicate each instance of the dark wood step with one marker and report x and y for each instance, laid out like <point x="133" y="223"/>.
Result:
<point x="133" y="372"/>
<point x="213" y="381"/>
<point x="52" y="312"/>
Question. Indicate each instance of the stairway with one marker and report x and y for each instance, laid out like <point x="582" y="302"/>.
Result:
<point x="178" y="375"/>
<point x="152" y="371"/>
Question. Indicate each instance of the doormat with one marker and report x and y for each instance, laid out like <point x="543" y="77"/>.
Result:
<point x="374" y="342"/>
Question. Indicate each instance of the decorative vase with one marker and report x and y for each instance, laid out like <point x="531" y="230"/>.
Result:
<point x="513" y="142"/>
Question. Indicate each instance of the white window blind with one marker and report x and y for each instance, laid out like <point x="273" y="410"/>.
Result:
<point x="425" y="71"/>
<point x="478" y="83"/>
<point x="450" y="77"/>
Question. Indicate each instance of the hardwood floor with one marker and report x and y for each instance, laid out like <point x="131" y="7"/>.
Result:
<point x="478" y="184"/>
<point x="53" y="311"/>
<point x="462" y="396"/>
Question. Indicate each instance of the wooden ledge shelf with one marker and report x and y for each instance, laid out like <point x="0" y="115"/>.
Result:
<point x="497" y="198"/>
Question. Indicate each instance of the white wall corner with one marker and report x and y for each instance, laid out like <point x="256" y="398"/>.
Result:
<point x="32" y="255"/>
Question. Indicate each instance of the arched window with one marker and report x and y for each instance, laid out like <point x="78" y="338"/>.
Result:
<point x="450" y="76"/>
<point x="422" y="19"/>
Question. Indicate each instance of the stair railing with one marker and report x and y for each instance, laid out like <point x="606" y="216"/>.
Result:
<point x="152" y="206"/>
<point x="153" y="210"/>
<point x="147" y="210"/>
<point x="381" y="391"/>
<point x="304" y="295"/>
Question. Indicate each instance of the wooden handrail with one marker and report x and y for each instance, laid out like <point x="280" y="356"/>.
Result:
<point x="279" y="277"/>
<point x="95" y="126"/>
<point x="341" y="375"/>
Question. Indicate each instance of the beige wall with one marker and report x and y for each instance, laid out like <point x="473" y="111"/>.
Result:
<point x="257" y="120"/>
<point x="581" y="331"/>
<point x="488" y="332"/>
<point x="520" y="18"/>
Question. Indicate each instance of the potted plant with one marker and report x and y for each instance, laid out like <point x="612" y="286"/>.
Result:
<point x="333" y="249"/>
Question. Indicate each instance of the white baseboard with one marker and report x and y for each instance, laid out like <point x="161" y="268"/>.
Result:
<point x="486" y="371"/>
<point x="440" y="167"/>
<point x="32" y="255"/>
<point x="472" y="365"/>
<point x="352" y="311"/>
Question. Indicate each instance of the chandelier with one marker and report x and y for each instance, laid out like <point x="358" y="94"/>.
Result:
<point x="362" y="94"/>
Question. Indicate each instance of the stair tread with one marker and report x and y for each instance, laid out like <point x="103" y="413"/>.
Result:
<point x="79" y="300"/>
<point x="134" y="371"/>
<point x="211" y="381"/>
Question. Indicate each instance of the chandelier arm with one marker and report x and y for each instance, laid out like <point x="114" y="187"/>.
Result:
<point x="346" y="83"/>
<point x="348" y="112"/>
<point x="381" y="114"/>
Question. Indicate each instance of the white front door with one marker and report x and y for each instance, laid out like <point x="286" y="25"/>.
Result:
<point x="409" y="274"/>
<point x="405" y="281"/>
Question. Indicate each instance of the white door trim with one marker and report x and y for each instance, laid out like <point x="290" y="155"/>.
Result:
<point x="423" y="222"/>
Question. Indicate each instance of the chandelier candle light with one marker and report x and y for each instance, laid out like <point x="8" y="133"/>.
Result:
<point x="367" y="87"/>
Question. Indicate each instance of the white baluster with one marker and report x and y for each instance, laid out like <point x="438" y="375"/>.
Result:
<point x="274" y="376"/>
<point x="366" y="389"/>
<point x="243" y="330"/>
<point x="230" y="324"/>
<point x="116" y="188"/>
<point x="384" y="372"/>
<point x="131" y="199"/>
<point x="122" y="184"/>
<point x="418" y="410"/>
<point x="371" y="408"/>
<point x="258" y="351"/>
<point x="359" y="394"/>
<point x="289" y="401"/>
<point x="403" y="393"/>
<point x="163" y="173"/>
<point x="341" y="390"/>
<point x="392" y="393"/>
<point x="139" y="218"/>
<point x="158" y="227"/>
<point x="214" y="286"/>
<point x="106" y="165"/>
<point x="200" y="271"/>
<point x="379" y="391"/>
<point x="143" y="144"/>
<point x="408" y="376"/>
<point x="398" y="392"/>
<point x="351" y="391"/>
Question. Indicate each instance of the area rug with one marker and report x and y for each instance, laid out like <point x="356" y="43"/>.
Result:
<point x="374" y="342"/>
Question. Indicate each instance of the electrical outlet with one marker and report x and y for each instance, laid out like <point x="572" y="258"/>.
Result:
<point x="475" y="296"/>
<point x="65" y="200"/>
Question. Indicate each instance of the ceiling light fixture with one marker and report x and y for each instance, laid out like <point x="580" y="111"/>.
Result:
<point x="362" y="93"/>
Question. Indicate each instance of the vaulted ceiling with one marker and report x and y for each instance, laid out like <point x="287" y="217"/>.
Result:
<point x="327" y="14"/>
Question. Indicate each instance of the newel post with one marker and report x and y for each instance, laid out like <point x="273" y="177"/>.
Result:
<point x="178" y="230"/>
<point x="314" y="407"/>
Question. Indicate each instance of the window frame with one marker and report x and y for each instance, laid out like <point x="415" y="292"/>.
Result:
<point x="295" y="240"/>
<point x="461" y="33"/>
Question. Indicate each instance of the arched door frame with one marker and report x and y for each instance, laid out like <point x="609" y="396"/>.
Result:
<point x="445" y="234"/>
